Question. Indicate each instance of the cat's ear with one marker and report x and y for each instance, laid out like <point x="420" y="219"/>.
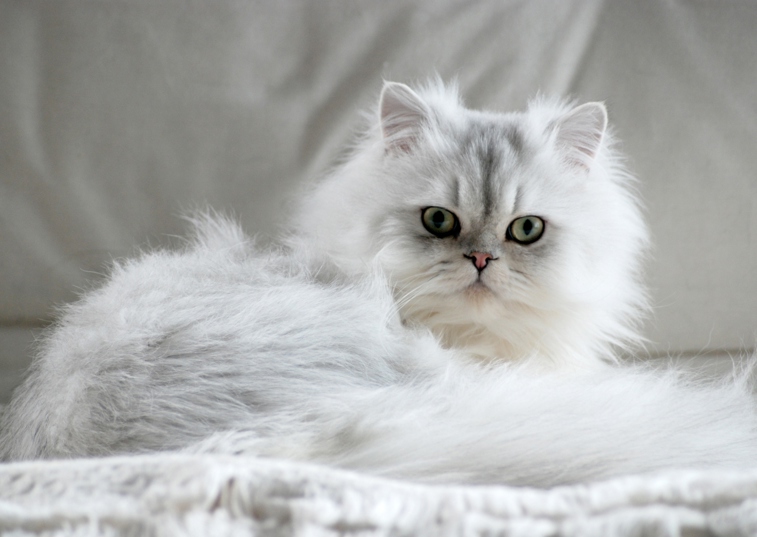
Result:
<point x="402" y="114"/>
<point x="580" y="133"/>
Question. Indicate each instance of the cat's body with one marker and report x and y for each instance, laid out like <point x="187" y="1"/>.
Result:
<point x="313" y="353"/>
<point x="222" y="348"/>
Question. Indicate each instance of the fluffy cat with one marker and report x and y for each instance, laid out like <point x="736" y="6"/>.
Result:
<point x="566" y="294"/>
<point x="449" y="235"/>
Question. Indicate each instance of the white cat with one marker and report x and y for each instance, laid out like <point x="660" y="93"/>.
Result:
<point x="509" y="236"/>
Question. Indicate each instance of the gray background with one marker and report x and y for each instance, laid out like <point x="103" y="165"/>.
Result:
<point x="117" y="116"/>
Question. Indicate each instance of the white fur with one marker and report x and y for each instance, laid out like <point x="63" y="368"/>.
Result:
<point x="352" y="348"/>
<point x="223" y="348"/>
<point x="572" y="298"/>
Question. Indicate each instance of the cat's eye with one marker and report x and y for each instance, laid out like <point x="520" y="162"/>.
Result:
<point x="440" y="221"/>
<point x="525" y="230"/>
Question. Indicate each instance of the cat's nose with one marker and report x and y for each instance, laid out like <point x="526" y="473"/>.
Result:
<point x="480" y="259"/>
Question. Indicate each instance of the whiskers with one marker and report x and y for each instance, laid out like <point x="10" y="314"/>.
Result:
<point x="409" y="281"/>
<point x="405" y="295"/>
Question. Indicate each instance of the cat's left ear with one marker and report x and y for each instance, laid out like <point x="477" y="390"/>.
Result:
<point x="580" y="133"/>
<point x="402" y="113"/>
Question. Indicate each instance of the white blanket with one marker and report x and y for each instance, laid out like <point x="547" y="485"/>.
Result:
<point x="173" y="494"/>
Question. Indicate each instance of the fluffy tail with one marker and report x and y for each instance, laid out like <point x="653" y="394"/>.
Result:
<point x="510" y="425"/>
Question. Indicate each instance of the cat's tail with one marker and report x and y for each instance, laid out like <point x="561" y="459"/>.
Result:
<point x="511" y="425"/>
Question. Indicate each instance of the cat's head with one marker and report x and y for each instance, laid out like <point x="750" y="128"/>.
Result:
<point x="507" y="234"/>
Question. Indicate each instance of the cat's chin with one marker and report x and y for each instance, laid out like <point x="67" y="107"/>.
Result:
<point x="478" y="291"/>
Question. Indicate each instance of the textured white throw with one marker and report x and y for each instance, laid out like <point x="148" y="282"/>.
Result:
<point x="174" y="494"/>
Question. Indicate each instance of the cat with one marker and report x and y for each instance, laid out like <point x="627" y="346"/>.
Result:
<point x="390" y="334"/>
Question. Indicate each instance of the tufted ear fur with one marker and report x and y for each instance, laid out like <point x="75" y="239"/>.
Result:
<point x="580" y="133"/>
<point x="402" y="113"/>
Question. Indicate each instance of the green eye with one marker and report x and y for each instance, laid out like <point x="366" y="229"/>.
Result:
<point x="440" y="222"/>
<point x="525" y="230"/>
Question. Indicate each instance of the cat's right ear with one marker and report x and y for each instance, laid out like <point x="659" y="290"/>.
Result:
<point x="580" y="133"/>
<point x="402" y="114"/>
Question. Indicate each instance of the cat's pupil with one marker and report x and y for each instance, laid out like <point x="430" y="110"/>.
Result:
<point x="527" y="227"/>
<point x="438" y="218"/>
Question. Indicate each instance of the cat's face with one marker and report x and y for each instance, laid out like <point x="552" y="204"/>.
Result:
<point x="471" y="227"/>
<point x="512" y="225"/>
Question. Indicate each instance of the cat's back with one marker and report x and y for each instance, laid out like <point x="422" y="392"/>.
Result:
<point x="178" y="345"/>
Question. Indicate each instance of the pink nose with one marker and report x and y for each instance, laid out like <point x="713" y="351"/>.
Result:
<point x="480" y="259"/>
